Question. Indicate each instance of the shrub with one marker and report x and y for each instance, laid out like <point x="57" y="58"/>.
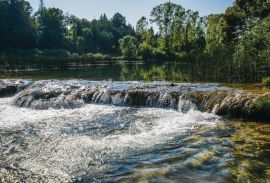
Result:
<point x="146" y="51"/>
<point x="129" y="46"/>
<point x="97" y="57"/>
<point x="261" y="109"/>
<point x="266" y="81"/>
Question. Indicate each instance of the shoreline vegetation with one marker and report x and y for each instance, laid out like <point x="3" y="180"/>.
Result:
<point x="235" y="43"/>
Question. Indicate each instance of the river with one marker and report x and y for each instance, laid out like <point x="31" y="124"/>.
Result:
<point x="92" y="131"/>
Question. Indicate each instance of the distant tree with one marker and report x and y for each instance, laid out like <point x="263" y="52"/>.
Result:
<point x="17" y="27"/>
<point x="103" y="38"/>
<point x="120" y="28"/>
<point x="129" y="46"/>
<point x="165" y="16"/>
<point x="75" y="34"/>
<point x="52" y="26"/>
<point x="214" y="34"/>
<point x="181" y="30"/>
<point x="142" y="24"/>
<point x="148" y="42"/>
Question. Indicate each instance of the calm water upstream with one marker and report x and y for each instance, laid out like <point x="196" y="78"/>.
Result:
<point x="106" y="140"/>
<point x="127" y="71"/>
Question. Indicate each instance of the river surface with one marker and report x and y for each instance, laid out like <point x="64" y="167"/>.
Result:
<point x="99" y="142"/>
<point x="127" y="71"/>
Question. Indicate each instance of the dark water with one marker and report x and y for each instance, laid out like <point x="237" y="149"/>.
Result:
<point x="126" y="71"/>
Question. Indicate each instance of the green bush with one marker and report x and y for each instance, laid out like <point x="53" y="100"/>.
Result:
<point x="129" y="46"/>
<point x="145" y="51"/>
<point x="261" y="109"/>
<point x="266" y="81"/>
<point x="97" y="57"/>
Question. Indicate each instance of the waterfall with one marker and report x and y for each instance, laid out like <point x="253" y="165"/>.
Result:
<point x="70" y="94"/>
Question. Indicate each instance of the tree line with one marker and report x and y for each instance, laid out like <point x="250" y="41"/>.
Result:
<point x="239" y="38"/>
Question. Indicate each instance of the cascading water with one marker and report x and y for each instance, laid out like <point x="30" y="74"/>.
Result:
<point x="83" y="131"/>
<point x="73" y="94"/>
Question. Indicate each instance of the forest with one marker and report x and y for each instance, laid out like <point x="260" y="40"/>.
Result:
<point x="236" y="42"/>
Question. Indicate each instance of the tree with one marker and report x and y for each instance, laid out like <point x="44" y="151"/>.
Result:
<point x="181" y="30"/>
<point x="165" y="16"/>
<point x="129" y="46"/>
<point x="252" y="54"/>
<point x="75" y="33"/>
<point x="103" y="38"/>
<point x="52" y="28"/>
<point x="16" y="24"/>
<point x="214" y="34"/>
<point x="120" y="28"/>
<point x="242" y="16"/>
<point x="142" y="24"/>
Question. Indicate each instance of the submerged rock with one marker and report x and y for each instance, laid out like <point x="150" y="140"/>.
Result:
<point x="236" y="104"/>
<point x="11" y="87"/>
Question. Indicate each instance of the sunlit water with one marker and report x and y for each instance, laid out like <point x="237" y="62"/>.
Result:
<point x="102" y="143"/>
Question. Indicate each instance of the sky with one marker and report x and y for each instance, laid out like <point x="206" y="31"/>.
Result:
<point x="131" y="9"/>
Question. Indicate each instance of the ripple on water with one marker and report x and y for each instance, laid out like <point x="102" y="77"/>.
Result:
<point x="106" y="143"/>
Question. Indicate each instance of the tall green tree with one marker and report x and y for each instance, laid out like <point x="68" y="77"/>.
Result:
<point x="75" y="34"/>
<point x="242" y="16"/>
<point x="142" y="24"/>
<point x="214" y="33"/>
<point x="182" y="30"/>
<point x="165" y="16"/>
<point x="252" y="54"/>
<point x="52" y="27"/>
<point x="17" y="27"/>
<point x="103" y="38"/>
<point x="120" y="28"/>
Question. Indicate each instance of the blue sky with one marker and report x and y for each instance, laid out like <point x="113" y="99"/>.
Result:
<point x="131" y="9"/>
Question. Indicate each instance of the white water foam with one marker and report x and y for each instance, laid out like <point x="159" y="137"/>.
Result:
<point x="61" y="156"/>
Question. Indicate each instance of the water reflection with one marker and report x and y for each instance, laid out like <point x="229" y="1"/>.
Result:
<point x="169" y="71"/>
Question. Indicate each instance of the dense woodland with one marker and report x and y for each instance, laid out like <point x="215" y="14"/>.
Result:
<point x="235" y="42"/>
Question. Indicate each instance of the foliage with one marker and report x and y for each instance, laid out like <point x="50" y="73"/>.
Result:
<point x="252" y="54"/>
<point x="17" y="27"/>
<point x="236" y="43"/>
<point x="97" y="57"/>
<point x="261" y="108"/>
<point x="129" y="46"/>
<point x="181" y="30"/>
<point x="51" y="28"/>
<point x="266" y="81"/>
<point x="242" y="16"/>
